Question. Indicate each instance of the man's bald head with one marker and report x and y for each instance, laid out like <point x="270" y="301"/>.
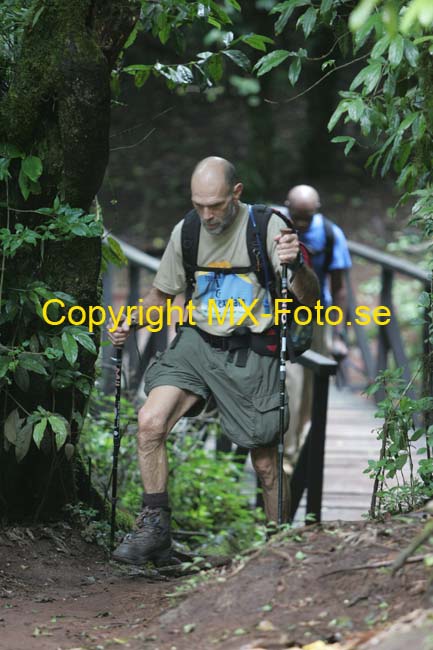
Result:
<point x="303" y="202"/>
<point x="215" y="193"/>
<point x="213" y="170"/>
<point x="303" y="197"/>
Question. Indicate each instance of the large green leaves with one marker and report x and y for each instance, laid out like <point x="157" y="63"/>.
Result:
<point x="60" y="428"/>
<point x="39" y="430"/>
<point x="286" y="9"/>
<point x="269" y="61"/>
<point x="70" y="347"/>
<point x="239" y="58"/>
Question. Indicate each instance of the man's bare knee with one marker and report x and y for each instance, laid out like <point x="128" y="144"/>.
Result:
<point x="152" y="426"/>
<point x="265" y="470"/>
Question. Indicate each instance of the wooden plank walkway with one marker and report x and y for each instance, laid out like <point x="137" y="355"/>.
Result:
<point x="350" y="443"/>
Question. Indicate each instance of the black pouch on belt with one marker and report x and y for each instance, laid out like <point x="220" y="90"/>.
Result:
<point x="266" y="343"/>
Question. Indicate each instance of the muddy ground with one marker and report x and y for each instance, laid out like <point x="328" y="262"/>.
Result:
<point x="58" y="592"/>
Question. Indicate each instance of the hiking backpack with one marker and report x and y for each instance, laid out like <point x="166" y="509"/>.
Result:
<point x="300" y="336"/>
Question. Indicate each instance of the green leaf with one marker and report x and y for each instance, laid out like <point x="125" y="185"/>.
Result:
<point x="10" y="150"/>
<point x="411" y="54"/>
<point x="37" y="15"/>
<point x="348" y="140"/>
<point x="417" y="10"/>
<point x="214" y="67"/>
<point x="362" y="34"/>
<point x="400" y="461"/>
<point x="116" y="249"/>
<point x="396" y="50"/>
<point x="373" y="77"/>
<point x="4" y="365"/>
<point x="380" y="47"/>
<point x="417" y="434"/>
<point x="295" y="70"/>
<point x="359" y="15"/>
<point x="4" y="169"/>
<point x="66" y="297"/>
<point x="214" y="22"/>
<point x="70" y="347"/>
<point x="32" y="167"/>
<point x="24" y="184"/>
<point x="131" y="38"/>
<point x="39" y="430"/>
<point x="407" y="122"/>
<point x="269" y="61"/>
<point x="30" y="362"/>
<point x="369" y="76"/>
<point x="355" y="109"/>
<point x="220" y="13"/>
<point x="257" y="41"/>
<point x="239" y="58"/>
<point x="79" y="230"/>
<point x="24" y="438"/>
<point x="341" y="108"/>
<point x="59" y="426"/>
<point x="84" y="340"/>
<point x="326" y="6"/>
<point x="307" y="21"/>
<point x="12" y="424"/>
<point x="286" y="9"/>
<point x="22" y="379"/>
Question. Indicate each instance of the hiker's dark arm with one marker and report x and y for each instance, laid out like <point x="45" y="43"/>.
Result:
<point x="339" y="290"/>
<point x="339" y="299"/>
<point x="305" y="286"/>
<point x="154" y="298"/>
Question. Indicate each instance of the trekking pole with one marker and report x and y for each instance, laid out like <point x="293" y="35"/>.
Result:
<point x="116" y="441"/>
<point x="283" y="356"/>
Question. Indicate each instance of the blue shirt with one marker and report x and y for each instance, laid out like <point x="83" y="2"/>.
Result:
<point x="315" y="239"/>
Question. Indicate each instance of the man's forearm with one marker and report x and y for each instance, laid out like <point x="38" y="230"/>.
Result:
<point x="305" y="286"/>
<point x="154" y="298"/>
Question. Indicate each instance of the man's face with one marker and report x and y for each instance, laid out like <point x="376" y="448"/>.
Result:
<point x="216" y="205"/>
<point x="301" y="215"/>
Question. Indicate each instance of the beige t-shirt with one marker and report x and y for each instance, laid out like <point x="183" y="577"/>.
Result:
<point x="219" y="299"/>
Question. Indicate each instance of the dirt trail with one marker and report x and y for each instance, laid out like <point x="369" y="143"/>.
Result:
<point x="58" y="592"/>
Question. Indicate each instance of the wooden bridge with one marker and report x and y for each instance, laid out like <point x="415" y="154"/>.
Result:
<point x="328" y="479"/>
<point x="349" y="445"/>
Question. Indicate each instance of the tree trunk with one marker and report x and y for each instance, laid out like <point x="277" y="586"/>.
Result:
<point x="55" y="105"/>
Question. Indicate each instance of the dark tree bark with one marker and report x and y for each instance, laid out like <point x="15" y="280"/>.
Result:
<point x="55" y="104"/>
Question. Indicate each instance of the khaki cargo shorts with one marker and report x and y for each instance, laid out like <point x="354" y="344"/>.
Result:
<point x="247" y="397"/>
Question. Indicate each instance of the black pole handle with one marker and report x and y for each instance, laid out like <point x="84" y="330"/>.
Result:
<point x="116" y="440"/>
<point x="283" y="357"/>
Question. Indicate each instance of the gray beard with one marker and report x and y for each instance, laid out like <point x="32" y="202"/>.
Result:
<point x="227" y="221"/>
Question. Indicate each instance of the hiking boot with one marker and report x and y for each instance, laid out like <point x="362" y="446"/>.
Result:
<point x="150" y="541"/>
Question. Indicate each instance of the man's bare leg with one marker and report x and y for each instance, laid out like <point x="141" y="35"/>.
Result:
<point x="265" y="463"/>
<point x="152" y="538"/>
<point x="164" y="406"/>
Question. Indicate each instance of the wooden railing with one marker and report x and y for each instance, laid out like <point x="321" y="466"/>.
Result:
<point x="389" y="336"/>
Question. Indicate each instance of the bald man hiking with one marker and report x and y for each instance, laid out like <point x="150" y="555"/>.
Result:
<point x="207" y="259"/>
<point x="330" y="257"/>
<point x="330" y="254"/>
